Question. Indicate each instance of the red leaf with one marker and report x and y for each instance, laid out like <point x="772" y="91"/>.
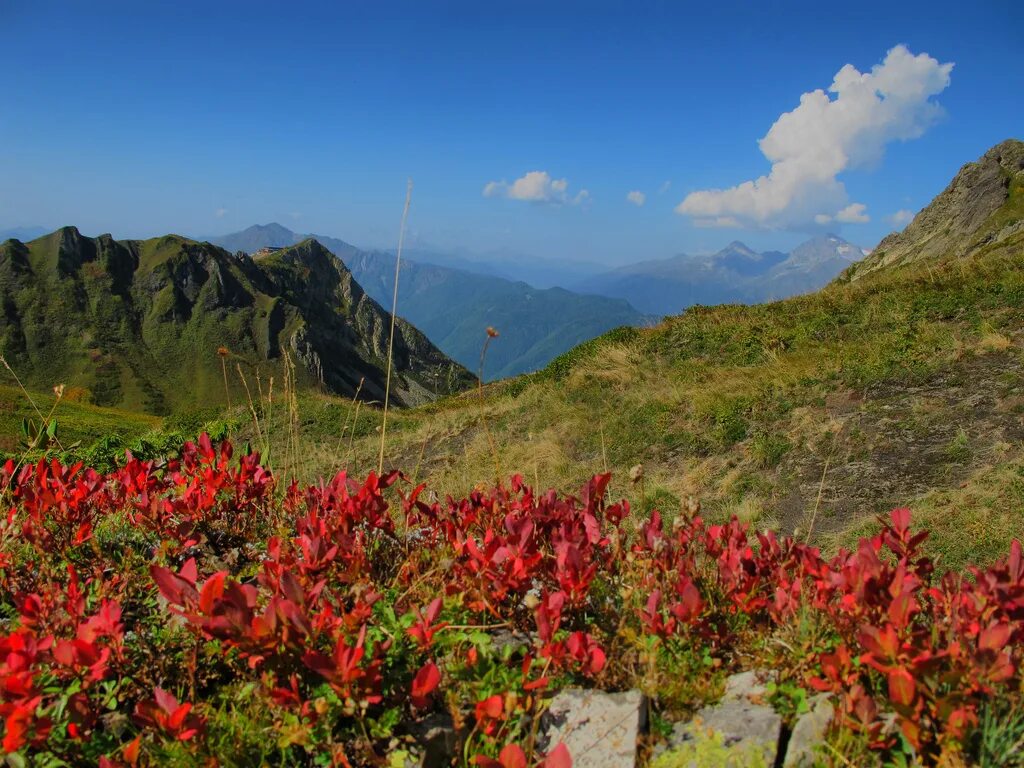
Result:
<point x="425" y="682"/>
<point x="558" y="757"/>
<point x="994" y="638"/>
<point x="212" y="590"/>
<point x="900" y="519"/>
<point x="901" y="687"/>
<point x="512" y="756"/>
<point x="131" y="750"/>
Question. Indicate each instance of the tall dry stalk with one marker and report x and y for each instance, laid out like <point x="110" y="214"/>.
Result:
<point x="491" y="334"/>
<point x="350" y="462"/>
<point x="252" y="410"/>
<point x="292" y="449"/>
<point x="391" y="336"/>
<point x="222" y="353"/>
<point x="355" y="408"/>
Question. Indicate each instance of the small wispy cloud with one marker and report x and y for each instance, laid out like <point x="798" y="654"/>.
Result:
<point x="636" y="197"/>
<point x="535" y="187"/>
<point x="854" y="213"/>
<point x="901" y="218"/>
<point x="220" y="213"/>
<point x="665" y="186"/>
<point x="829" y="132"/>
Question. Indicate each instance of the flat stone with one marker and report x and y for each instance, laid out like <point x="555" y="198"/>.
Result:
<point x="599" y="729"/>
<point x="745" y="729"/>
<point x="809" y="733"/>
<point x="750" y="685"/>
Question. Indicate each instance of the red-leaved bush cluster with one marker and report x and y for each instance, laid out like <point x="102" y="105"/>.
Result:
<point x="194" y="612"/>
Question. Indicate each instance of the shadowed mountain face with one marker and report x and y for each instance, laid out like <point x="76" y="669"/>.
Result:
<point x="139" y="324"/>
<point x="736" y="274"/>
<point x="454" y="307"/>
<point x="982" y="208"/>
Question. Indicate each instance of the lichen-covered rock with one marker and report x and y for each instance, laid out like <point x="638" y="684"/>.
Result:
<point x="809" y="733"/>
<point x="740" y="730"/>
<point x="599" y="729"/>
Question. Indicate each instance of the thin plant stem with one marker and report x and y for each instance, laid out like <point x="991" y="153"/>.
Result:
<point x="604" y="452"/>
<point x="252" y="406"/>
<point x="352" y="440"/>
<point x="491" y="333"/>
<point x="348" y="416"/>
<point x="391" y="335"/>
<point x="44" y="419"/>
<point x="224" y="369"/>
<point x="817" y="502"/>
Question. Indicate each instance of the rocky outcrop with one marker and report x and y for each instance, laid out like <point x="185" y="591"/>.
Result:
<point x="984" y="204"/>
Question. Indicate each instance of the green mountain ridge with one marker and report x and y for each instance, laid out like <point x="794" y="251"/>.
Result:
<point x="138" y="324"/>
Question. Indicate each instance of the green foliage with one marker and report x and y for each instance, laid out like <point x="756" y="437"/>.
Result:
<point x="959" y="449"/>
<point x="788" y="699"/>
<point x="729" y="421"/>
<point x="999" y="741"/>
<point x="707" y="749"/>
<point x="768" y="449"/>
<point x="661" y="499"/>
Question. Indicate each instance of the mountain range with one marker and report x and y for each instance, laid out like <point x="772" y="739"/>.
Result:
<point x="455" y="306"/>
<point x="735" y="274"/>
<point x="162" y="324"/>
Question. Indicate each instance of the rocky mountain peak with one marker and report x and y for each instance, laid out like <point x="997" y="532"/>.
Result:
<point x="983" y="205"/>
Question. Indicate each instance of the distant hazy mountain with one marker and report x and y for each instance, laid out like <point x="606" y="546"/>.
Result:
<point x="734" y="274"/>
<point x="512" y="265"/>
<point x="454" y="307"/>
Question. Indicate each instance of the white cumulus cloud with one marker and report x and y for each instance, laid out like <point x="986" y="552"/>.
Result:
<point x="828" y="133"/>
<point x="901" y="218"/>
<point x="536" y="187"/>
<point x="636" y="197"/>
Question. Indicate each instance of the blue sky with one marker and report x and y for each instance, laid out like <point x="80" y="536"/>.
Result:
<point x="202" y="118"/>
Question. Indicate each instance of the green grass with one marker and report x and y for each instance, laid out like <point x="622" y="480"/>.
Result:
<point x="77" y="422"/>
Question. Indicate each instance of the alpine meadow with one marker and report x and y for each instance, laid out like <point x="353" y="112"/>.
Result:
<point x="677" y="420"/>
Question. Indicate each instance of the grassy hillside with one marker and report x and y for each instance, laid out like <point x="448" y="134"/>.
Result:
<point x="78" y="423"/>
<point x="812" y="414"/>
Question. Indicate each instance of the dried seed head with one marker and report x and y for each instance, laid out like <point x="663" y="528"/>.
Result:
<point x="223" y="351"/>
<point x="491" y="332"/>
<point x="59" y="391"/>
<point x="636" y="474"/>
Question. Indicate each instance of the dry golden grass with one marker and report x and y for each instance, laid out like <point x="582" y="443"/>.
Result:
<point x="994" y="342"/>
